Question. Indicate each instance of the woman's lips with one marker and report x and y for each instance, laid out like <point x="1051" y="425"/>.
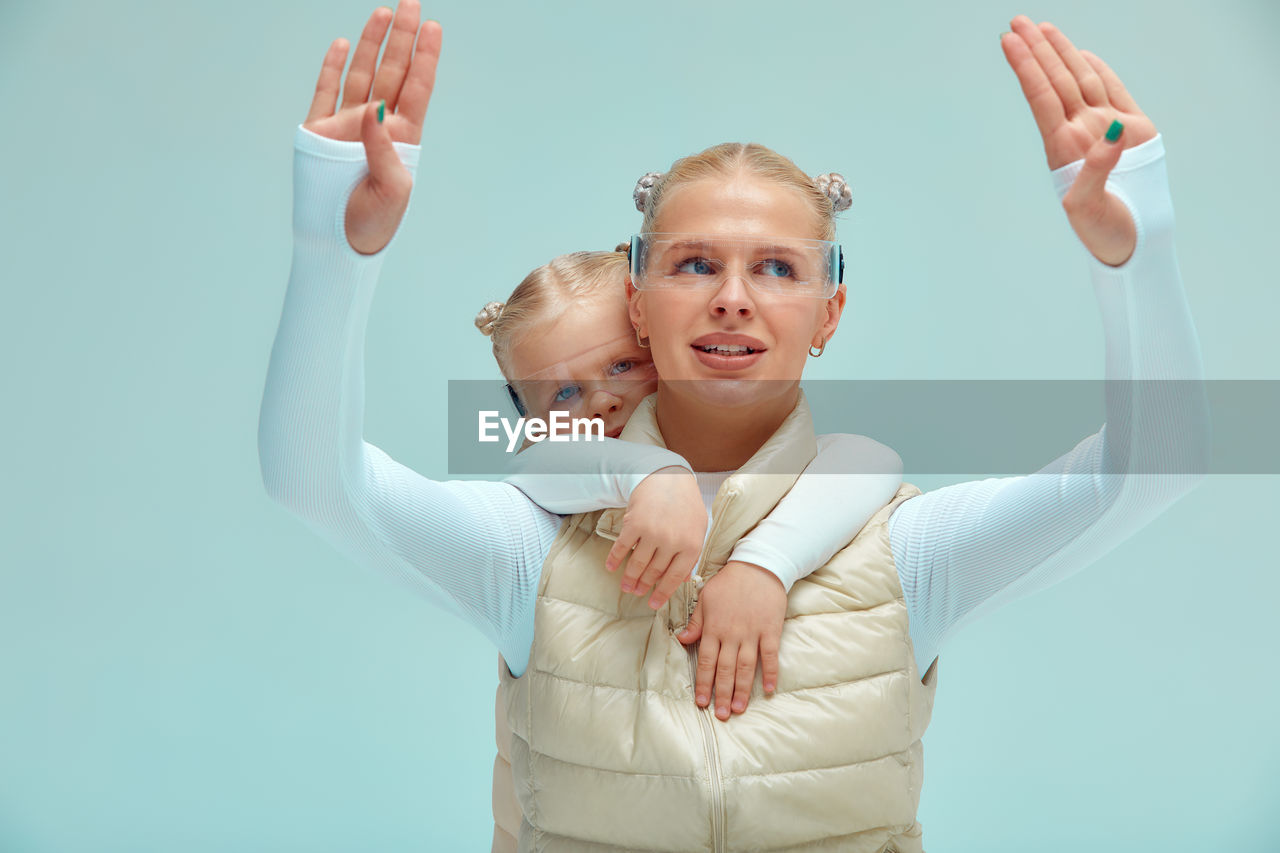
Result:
<point x="723" y="351"/>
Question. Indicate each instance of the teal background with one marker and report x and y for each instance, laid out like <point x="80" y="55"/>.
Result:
<point x="185" y="666"/>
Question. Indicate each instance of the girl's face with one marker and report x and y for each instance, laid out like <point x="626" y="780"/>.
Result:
<point x="586" y="362"/>
<point x="685" y="325"/>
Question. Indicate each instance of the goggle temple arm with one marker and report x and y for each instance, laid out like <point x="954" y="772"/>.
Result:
<point x="515" y="401"/>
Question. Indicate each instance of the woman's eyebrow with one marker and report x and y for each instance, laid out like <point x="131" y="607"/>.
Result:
<point x="680" y="245"/>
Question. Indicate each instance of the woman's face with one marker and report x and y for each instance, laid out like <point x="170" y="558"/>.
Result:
<point x="685" y="325"/>
<point x="586" y="362"/>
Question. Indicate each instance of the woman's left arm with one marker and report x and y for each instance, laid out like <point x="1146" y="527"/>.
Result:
<point x="965" y="550"/>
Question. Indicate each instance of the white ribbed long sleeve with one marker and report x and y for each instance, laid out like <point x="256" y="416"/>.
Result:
<point x="473" y="547"/>
<point x="964" y="550"/>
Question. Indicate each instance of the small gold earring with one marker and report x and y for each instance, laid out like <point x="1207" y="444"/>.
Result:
<point x="821" y="347"/>
<point x="638" y="339"/>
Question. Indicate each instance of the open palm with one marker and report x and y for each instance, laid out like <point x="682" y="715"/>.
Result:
<point x="1074" y="97"/>
<point x="381" y="104"/>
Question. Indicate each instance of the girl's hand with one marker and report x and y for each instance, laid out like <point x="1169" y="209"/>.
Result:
<point x="400" y="88"/>
<point x="1074" y="97"/>
<point x="739" y="618"/>
<point x="663" y="530"/>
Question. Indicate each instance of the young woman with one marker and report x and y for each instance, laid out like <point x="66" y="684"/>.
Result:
<point x="565" y="344"/>
<point x="607" y="751"/>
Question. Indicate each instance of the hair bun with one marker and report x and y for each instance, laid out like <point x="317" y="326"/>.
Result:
<point x="489" y="315"/>
<point x="834" y="187"/>
<point x="644" y="187"/>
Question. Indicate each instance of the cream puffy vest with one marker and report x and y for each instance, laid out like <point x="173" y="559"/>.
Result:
<point x="601" y="746"/>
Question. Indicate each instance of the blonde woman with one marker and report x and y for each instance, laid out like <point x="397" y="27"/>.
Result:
<point x="608" y="751"/>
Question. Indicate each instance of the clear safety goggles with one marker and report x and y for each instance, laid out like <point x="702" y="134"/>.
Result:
<point x="778" y="265"/>
<point x="621" y="368"/>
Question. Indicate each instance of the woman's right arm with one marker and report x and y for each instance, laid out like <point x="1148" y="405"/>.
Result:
<point x="475" y="547"/>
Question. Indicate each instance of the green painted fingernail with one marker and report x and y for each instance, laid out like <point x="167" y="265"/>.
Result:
<point x="1113" y="132"/>
<point x="382" y="110"/>
<point x="1002" y="35"/>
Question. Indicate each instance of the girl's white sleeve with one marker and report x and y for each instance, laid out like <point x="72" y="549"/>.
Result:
<point x="964" y="550"/>
<point x="582" y="476"/>
<point x="475" y="548"/>
<point x="846" y="483"/>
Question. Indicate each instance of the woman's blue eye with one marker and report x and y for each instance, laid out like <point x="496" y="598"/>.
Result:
<point x="775" y="268"/>
<point x="695" y="266"/>
<point x="621" y="366"/>
<point x="568" y="392"/>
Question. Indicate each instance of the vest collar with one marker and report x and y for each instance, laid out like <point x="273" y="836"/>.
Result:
<point x="747" y="496"/>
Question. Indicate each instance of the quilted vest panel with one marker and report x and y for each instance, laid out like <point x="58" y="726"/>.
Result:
<point x="606" y="749"/>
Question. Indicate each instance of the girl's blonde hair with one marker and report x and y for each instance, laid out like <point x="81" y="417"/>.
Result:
<point x="825" y="195"/>
<point x="549" y="291"/>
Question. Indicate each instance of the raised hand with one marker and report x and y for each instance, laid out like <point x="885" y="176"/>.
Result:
<point x="1075" y="98"/>
<point x="380" y="104"/>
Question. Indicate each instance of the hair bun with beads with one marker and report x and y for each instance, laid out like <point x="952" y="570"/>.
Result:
<point x="834" y="187"/>
<point x="644" y="187"/>
<point x="488" y="316"/>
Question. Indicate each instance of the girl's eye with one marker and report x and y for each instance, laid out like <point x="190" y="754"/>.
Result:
<point x="776" y="268"/>
<point x="621" y="366"/>
<point x="696" y="266"/>
<point x="566" y="393"/>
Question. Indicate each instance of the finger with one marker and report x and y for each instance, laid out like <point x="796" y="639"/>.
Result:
<point x="640" y="559"/>
<point x="1116" y="92"/>
<point x="396" y="56"/>
<point x="657" y="569"/>
<point x="360" y="75"/>
<point x="693" y="631"/>
<point x="1062" y="80"/>
<point x="621" y="548"/>
<point x="325" y="100"/>
<point x="1087" y="80"/>
<point x="1087" y="196"/>
<point x="679" y="572"/>
<point x="385" y="168"/>
<point x="416" y="92"/>
<point x="726" y="664"/>
<point x="706" y="671"/>
<point x="744" y="676"/>
<point x="769" y="661"/>
<point x="1046" y="106"/>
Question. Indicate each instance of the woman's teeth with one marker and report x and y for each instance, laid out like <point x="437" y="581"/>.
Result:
<point x="726" y="349"/>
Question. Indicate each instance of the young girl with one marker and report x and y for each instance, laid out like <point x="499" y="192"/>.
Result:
<point x="564" y="343"/>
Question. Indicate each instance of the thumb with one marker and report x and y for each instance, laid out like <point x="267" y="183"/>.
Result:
<point x="385" y="168"/>
<point x="693" y="631"/>
<point x="1090" y="186"/>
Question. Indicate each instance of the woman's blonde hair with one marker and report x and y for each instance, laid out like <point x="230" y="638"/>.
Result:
<point x="825" y="195"/>
<point x="550" y="290"/>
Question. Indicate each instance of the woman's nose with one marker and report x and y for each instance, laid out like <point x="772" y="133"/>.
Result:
<point x="732" y="298"/>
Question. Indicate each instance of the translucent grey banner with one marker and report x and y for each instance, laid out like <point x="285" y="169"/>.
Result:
<point x="972" y="427"/>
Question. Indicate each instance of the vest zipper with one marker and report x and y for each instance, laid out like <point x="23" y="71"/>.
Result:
<point x="712" y="753"/>
<point x="710" y="748"/>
